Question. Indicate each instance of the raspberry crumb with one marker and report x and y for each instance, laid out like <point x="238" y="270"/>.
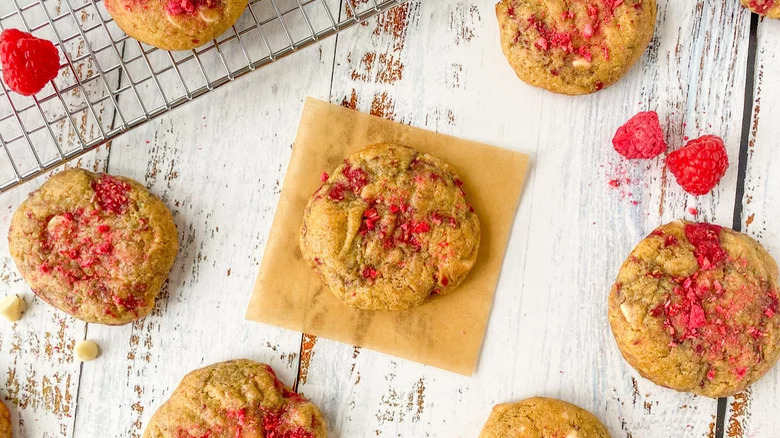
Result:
<point x="762" y="6"/>
<point x="357" y="178"/>
<point x="369" y="272"/>
<point x="111" y="193"/>
<point x="180" y="7"/>
<point x="324" y="177"/>
<point x="641" y="137"/>
<point x="336" y="192"/>
<point x="706" y="240"/>
<point x="700" y="165"/>
<point x="28" y="62"/>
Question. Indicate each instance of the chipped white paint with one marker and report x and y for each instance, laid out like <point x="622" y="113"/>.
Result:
<point x="218" y="162"/>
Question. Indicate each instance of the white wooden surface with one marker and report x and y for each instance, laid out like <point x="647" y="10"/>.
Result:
<point x="218" y="163"/>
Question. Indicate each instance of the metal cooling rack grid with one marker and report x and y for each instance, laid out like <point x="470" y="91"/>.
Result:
<point x="110" y="83"/>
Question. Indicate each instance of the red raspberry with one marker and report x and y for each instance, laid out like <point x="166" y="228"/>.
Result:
<point x="28" y="62"/>
<point x="640" y="137"/>
<point x="699" y="166"/>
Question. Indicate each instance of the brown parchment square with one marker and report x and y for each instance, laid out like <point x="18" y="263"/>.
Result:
<point x="447" y="332"/>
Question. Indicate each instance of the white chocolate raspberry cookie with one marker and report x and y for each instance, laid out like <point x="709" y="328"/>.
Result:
<point x="175" y="24"/>
<point x="390" y="228"/>
<point x="540" y="417"/>
<point x="96" y="246"/>
<point x="239" y="398"/>
<point x="574" y="47"/>
<point x="695" y="308"/>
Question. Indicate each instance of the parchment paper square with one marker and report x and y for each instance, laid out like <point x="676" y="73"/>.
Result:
<point x="448" y="331"/>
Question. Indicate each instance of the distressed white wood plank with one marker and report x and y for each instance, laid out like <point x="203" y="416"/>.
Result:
<point x="440" y="66"/>
<point x="753" y="413"/>
<point x="218" y="164"/>
<point x="39" y="374"/>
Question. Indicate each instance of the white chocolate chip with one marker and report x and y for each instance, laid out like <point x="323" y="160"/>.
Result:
<point x="573" y="434"/>
<point x="12" y="307"/>
<point x="87" y="350"/>
<point x="581" y="64"/>
<point x="173" y="20"/>
<point x="627" y="312"/>
<point x="209" y="15"/>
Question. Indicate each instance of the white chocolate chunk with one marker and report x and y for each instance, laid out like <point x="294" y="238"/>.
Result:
<point x="87" y="350"/>
<point x="627" y="312"/>
<point x="174" y="20"/>
<point x="573" y="434"/>
<point x="581" y="64"/>
<point x="12" y="307"/>
<point x="209" y="15"/>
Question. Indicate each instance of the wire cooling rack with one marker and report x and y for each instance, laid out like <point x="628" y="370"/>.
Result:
<point x="110" y="83"/>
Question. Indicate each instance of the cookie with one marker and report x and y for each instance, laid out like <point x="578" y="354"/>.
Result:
<point x="175" y="24"/>
<point x="239" y="398"/>
<point x="769" y="8"/>
<point x="540" y="417"/>
<point x="96" y="246"/>
<point x="574" y="47"/>
<point x="389" y="228"/>
<point x="695" y="308"/>
<point x="5" y="422"/>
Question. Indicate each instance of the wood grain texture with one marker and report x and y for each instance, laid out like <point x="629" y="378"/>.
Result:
<point x="754" y="412"/>
<point x="548" y="333"/>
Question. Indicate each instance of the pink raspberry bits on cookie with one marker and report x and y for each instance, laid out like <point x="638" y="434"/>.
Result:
<point x="28" y="62"/>
<point x="700" y="165"/>
<point x="111" y="193"/>
<point x="641" y="137"/>
<point x="179" y="7"/>
<point x="762" y="6"/>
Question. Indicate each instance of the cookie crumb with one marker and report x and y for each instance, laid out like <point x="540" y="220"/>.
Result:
<point x="12" y="307"/>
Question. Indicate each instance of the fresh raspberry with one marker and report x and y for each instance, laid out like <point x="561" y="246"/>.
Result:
<point x="28" y="62"/>
<point x="699" y="166"/>
<point x="640" y="137"/>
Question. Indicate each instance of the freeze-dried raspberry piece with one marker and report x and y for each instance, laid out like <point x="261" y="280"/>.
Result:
<point x="699" y="166"/>
<point x="28" y="62"/>
<point x="640" y="137"/>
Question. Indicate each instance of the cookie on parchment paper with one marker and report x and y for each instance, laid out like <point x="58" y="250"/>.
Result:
<point x="389" y="228"/>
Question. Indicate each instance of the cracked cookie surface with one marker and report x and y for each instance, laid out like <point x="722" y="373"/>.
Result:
<point x="96" y="246"/>
<point x="175" y="24"/>
<point x="389" y="228"/>
<point x="695" y="308"/>
<point x="574" y="46"/>
<point x="540" y="417"/>
<point x="238" y="398"/>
